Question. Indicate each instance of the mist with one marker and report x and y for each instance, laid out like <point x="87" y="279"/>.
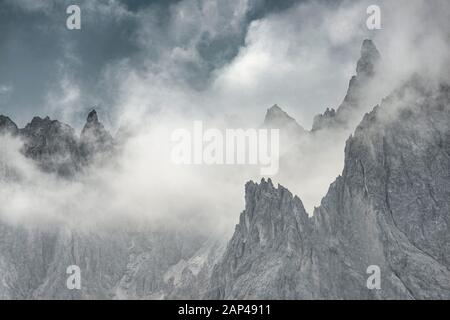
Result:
<point x="301" y="59"/>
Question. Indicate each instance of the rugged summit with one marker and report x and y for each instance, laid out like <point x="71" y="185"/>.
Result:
<point x="352" y="104"/>
<point x="264" y="257"/>
<point x="94" y="138"/>
<point x="367" y="63"/>
<point x="277" y="118"/>
<point x="7" y="126"/>
<point x="390" y="208"/>
<point x="54" y="145"/>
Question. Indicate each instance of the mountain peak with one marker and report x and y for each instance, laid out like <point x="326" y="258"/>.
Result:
<point x="7" y="125"/>
<point x="275" y="112"/>
<point x="94" y="137"/>
<point x="278" y="118"/>
<point x="92" y="117"/>
<point x="368" y="60"/>
<point x="350" y="108"/>
<point x="275" y="108"/>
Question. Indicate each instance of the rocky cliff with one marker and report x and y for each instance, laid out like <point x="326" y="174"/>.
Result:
<point x="389" y="208"/>
<point x="354" y="105"/>
<point x="56" y="148"/>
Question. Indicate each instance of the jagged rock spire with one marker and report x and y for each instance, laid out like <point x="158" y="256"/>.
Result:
<point x="7" y="126"/>
<point x="272" y="231"/>
<point x="52" y="144"/>
<point x="370" y="216"/>
<point x="92" y="117"/>
<point x="277" y="118"/>
<point x="95" y="139"/>
<point x="352" y="106"/>
<point x="368" y="60"/>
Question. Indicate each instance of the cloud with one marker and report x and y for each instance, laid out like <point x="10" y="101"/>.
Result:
<point x="288" y="59"/>
<point x="301" y="59"/>
<point x="5" y="93"/>
<point x="32" y="5"/>
<point x="141" y="185"/>
<point x="4" y="89"/>
<point x="207" y="60"/>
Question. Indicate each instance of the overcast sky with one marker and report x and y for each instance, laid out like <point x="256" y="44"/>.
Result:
<point x="168" y="63"/>
<point x="193" y="45"/>
<point x="228" y="58"/>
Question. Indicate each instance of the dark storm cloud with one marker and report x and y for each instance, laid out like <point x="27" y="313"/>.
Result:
<point x="36" y="49"/>
<point x="40" y="58"/>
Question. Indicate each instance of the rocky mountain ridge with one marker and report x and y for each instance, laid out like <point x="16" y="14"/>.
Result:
<point x="56" y="148"/>
<point x="353" y="103"/>
<point x="390" y="208"/>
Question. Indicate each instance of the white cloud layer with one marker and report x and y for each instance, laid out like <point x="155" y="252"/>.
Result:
<point x="300" y="59"/>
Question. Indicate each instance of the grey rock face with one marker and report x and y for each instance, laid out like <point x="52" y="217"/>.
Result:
<point x="390" y="208"/>
<point x="277" y="118"/>
<point x="56" y="148"/>
<point x="115" y="263"/>
<point x="7" y="126"/>
<point x="152" y="254"/>
<point x="351" y="106"/>
<point x="292" y="134"/>
<point x="395" y="189"/>
<point x="95" y="140"/>
<point x="370" y="56"/>
<point x="52" y="144"/>
<point x="189" y="279"/>
<point x="264" y="258"/>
